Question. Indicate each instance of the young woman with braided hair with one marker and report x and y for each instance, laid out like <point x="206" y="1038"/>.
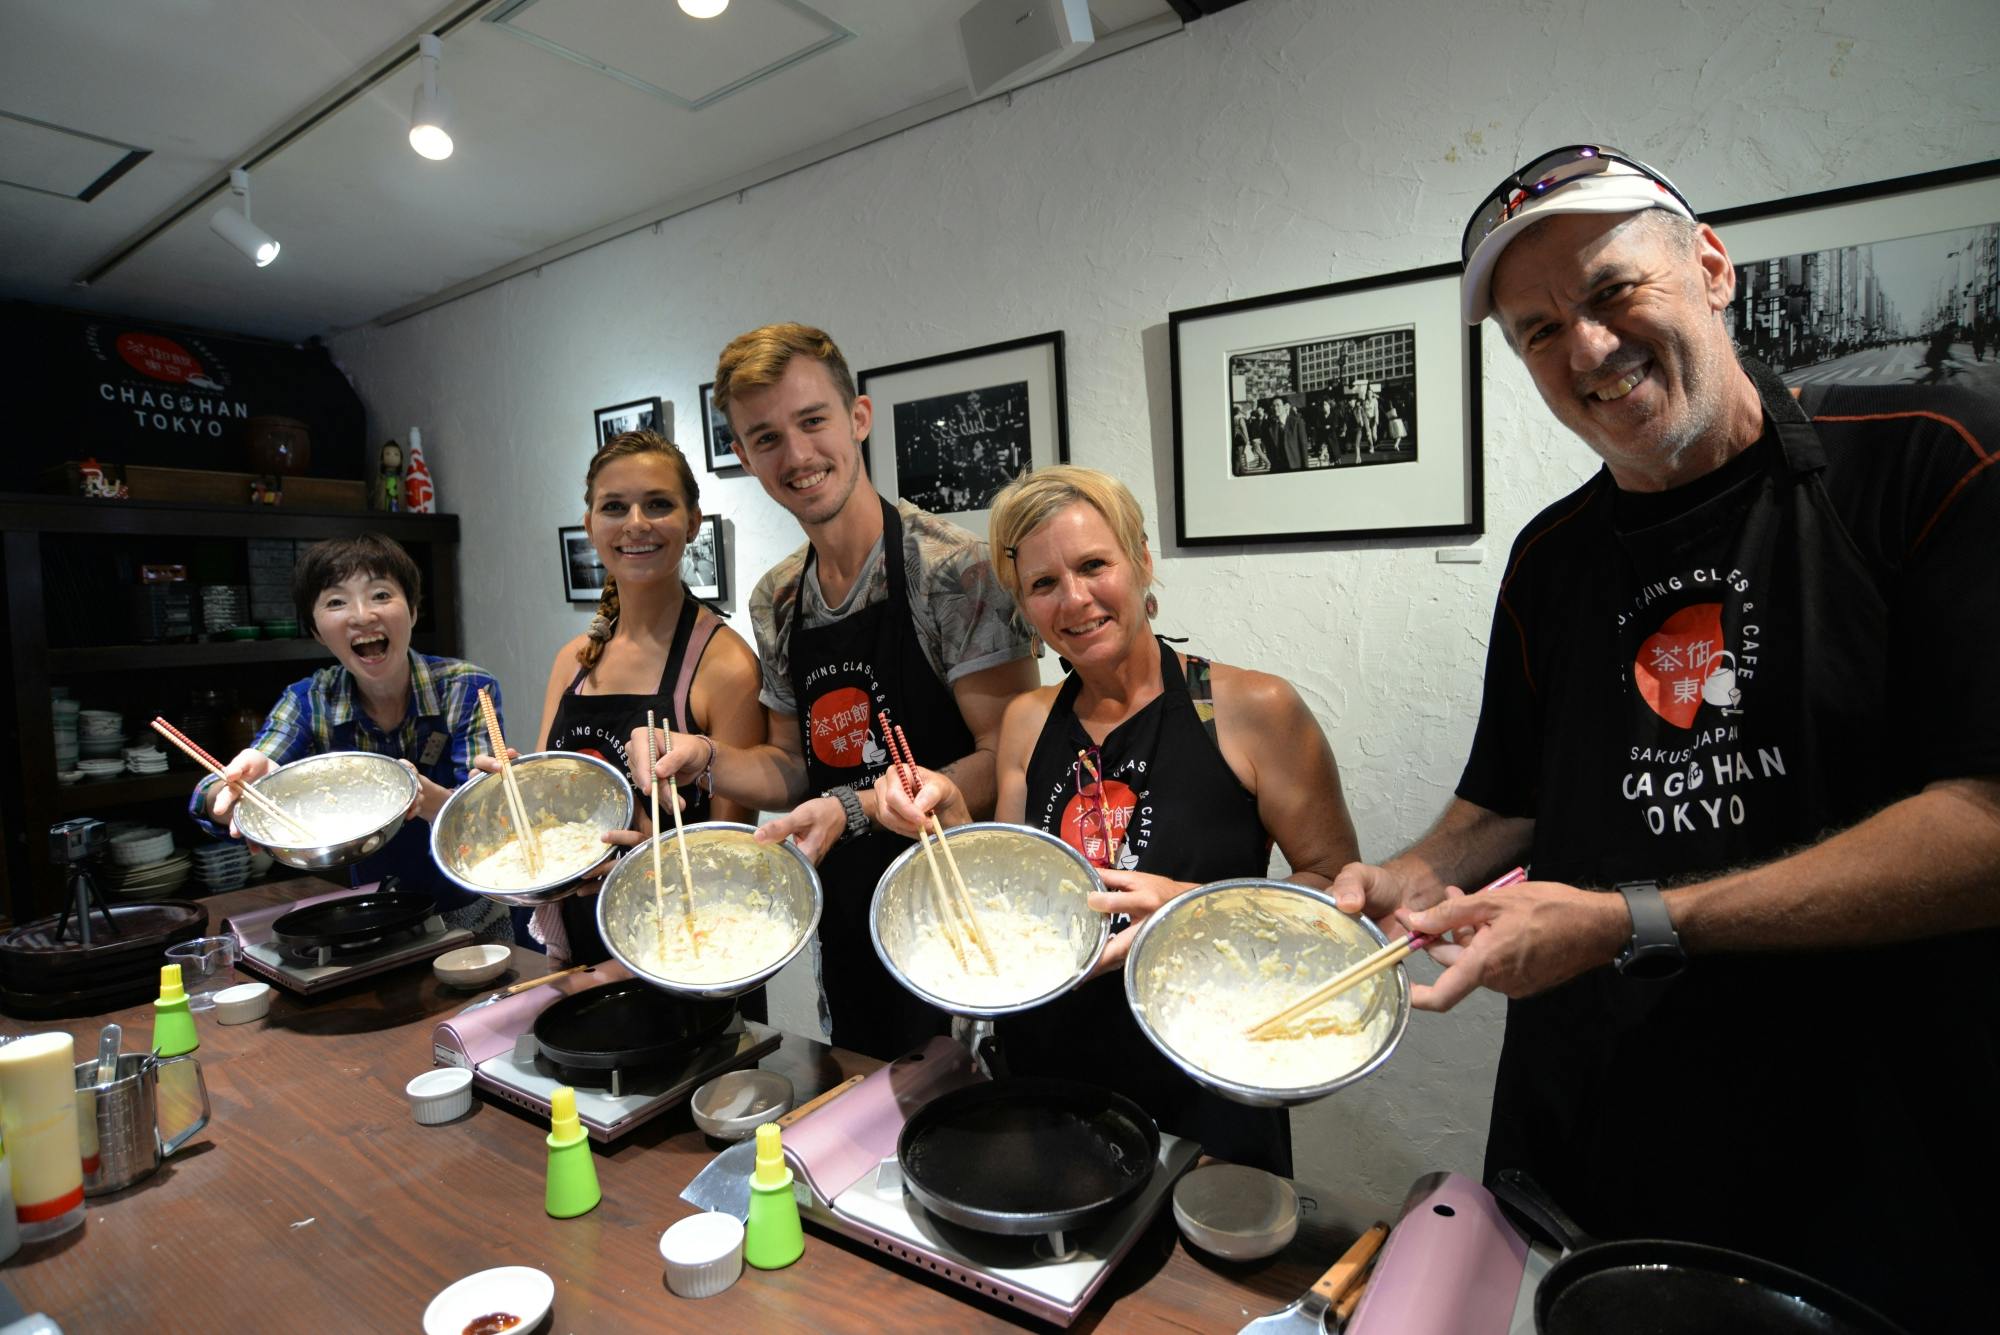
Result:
<point x="651" y="647"/>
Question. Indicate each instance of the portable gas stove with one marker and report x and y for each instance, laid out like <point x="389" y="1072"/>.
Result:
<point x="310" y="970"/>
<point x="844" y="1158"/>
<point x="497" y="1044"/>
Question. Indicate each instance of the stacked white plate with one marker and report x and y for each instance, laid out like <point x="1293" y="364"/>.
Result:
<point x="64" y="732"/>
<point x="100" y="768"/>
<point x="222" y="866"/>
<point x="137" y="848"/>
<point x="145" y="760"/>
<point x="154" y="878"/>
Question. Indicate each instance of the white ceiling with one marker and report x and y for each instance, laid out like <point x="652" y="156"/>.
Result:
<point x="552" y="152"/>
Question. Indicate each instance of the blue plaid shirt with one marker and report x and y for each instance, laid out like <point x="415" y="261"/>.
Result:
<point x="440" y="734"/>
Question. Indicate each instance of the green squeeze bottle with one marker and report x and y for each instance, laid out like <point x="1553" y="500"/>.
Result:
<point x="772" y="1239"/>
<point x="173" y="1022"/>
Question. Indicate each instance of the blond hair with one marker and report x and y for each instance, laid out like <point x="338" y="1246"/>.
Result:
<point x="758" y="360"/>
<point x="626" y="446"/>
<point x="1032" y="499"/>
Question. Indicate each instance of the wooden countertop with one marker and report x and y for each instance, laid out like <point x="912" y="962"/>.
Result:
<point x="314" y="1201"/>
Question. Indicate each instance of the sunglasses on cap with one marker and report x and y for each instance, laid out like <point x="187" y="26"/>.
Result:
<point x="1534" y="180"/>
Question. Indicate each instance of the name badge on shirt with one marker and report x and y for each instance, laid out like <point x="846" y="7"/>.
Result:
<point x="433" y="748"/>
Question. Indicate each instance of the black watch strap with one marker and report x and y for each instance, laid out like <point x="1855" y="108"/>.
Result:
<point x="1655" y="948"/>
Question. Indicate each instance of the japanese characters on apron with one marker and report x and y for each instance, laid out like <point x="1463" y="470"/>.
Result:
<point x="843" y="676"/>
<point x="1724" y="692"/>
<point x="1164" y="801"/>
<point x="602" y="726"/>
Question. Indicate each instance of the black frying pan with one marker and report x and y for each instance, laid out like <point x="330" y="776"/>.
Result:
<point x="1022" y="1156"/>
<point x="337" y="922"/>
<point x="1649" y="1287"/>
<point x="626" y="1024"/>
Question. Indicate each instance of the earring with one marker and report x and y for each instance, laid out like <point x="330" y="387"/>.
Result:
<point x="1152" y="606"/>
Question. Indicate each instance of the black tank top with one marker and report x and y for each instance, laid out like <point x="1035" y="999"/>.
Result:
<point x="602" y="726"/>
<point x="1173" y="807"/>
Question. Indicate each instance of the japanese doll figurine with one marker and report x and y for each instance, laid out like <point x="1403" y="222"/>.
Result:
<point x="389" y="485"/>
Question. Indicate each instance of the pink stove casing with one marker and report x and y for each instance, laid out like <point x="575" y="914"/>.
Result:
<point x="1453" y="1265"/>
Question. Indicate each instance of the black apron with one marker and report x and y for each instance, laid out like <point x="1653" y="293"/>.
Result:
<point x="843" y="675"/>
<point x="1175" y="809"/>
<point x="1770" y="1102"/>
<point x="602" y="726"/>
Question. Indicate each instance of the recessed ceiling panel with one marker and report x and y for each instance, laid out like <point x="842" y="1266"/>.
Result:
<point x="689" y="62"/>
<point x="54" y="161"/>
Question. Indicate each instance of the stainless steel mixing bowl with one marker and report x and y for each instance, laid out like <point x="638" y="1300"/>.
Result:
<point x="1234" y="948"/>
<point x="354" y="801"/>
<point x="730" y="868"/>
<point x="556" y="786"/>
<point x="1032" y="869"/>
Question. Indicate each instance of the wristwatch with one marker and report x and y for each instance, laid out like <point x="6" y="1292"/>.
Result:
<point x="1654" y="952"/>
<point x="850" y="802"/>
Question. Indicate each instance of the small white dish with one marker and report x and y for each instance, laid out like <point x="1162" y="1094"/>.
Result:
<point x="243" y="1003"/>
<point x="736" y="1103"/>
<point x="1237" y="1213"/>
<point x="512" y="1290"/>
<point x="704" y="1254"/>
<point x="438" y="1096"/>
<point x="472" y="966"/>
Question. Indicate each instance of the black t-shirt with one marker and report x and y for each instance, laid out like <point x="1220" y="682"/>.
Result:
<point x="1707" y="678"/>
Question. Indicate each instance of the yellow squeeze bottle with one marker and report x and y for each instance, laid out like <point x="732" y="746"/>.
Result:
<point x="572" y="1188"/>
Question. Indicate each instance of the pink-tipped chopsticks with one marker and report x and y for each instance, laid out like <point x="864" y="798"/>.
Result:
<point x="193" y="750"/>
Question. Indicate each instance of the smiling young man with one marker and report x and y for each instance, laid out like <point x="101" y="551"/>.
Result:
<point x="1745" y="662"/>
<point x="885" y="608"/>
<point x="360" y="596"/>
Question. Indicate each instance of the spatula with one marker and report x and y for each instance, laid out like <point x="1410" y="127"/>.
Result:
<point x="1307" y="1314"/>
<point x="725" y="1183"/>
<point x="527" y="984"/>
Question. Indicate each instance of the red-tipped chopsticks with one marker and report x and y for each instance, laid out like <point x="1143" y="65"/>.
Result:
<point x="190" y="748"/>
<point x="1386" y="958"/>
<point x="905" y="762"/>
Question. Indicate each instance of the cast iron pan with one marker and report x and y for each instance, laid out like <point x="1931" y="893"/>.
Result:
<point x="356" y="918"/>
<point x="1021" y="1156"/>
<point x="1649" y="1287"/>
<point x="626" y="1024"/>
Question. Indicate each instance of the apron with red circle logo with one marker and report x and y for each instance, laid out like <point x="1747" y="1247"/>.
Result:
<point x="1163" y="801"/>
<point x="844" y="675"/>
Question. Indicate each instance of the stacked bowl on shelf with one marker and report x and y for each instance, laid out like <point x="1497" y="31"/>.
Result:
<point x="64" y="730"/>
<point x="153" y="880"/>
<point x="140" y="845"/>
<point x="100" y="734"/>
<point x="222" y="866"/>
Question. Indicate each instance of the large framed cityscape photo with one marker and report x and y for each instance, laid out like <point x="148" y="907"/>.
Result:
<point x="1891" y="282"/>
<point x="1344" y="411"/>
<point x="951" y="430"/>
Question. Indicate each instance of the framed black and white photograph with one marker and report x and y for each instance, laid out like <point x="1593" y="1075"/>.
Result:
<point x="951" y="430"/>
<point x="583" y="573"/>
<point x="638" y="415"/>
<point x="1892" y="282"/>
<point x="705" y="563"/>
<point x="1344" y="411"/>
<point x="718" y="441"/>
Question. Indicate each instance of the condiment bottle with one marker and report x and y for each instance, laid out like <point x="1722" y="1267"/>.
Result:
<point x="173" y="1022"/>
<point x="10" y="1227"/>
<point x="38" y="1119"/>
<point x="572" y="1186"/>
<point x="772" y="1239"/>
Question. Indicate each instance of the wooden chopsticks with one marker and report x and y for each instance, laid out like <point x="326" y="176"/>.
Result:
<point x="1388" y="957"/>
<point x="680" y="840"/>
<point x="901" y="756"/>
<point x="194" y="752"/>
<point x="531" y="846"/>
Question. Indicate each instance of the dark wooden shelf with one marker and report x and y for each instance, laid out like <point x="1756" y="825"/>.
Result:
<point x="92" y="794"/>
<point x="211" y="653"/>
<point x="74" y="514"/>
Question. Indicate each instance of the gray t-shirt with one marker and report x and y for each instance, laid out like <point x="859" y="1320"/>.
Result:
<point x="964" y="619"/>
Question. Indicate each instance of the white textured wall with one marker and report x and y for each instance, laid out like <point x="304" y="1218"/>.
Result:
<point x="1282" y="144"/>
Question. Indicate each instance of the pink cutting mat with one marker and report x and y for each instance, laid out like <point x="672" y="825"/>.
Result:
<point x="836" y="1146"/>
<point x="490" y="1031"/>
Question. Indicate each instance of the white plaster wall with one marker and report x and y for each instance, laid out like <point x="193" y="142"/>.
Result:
<point x="1281" y="144"/>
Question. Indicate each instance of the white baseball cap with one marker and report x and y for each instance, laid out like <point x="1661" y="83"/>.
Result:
<point x="1585" y="178"/>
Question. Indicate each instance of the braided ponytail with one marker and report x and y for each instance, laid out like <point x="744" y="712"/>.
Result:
<point x="600" y="627"/>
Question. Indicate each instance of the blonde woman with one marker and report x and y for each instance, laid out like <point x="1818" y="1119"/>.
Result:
<point x="1190" y="770"/>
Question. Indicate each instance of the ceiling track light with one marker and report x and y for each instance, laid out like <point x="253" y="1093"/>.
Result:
<point x="703" y="9"/>
<point x="429" y="115"/>
<point x="257" y="245"/>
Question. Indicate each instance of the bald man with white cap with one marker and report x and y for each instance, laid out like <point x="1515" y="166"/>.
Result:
<point x="1737" y="725"/>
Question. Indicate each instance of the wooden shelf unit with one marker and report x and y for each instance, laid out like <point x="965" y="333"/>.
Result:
<point x="30" y="528"/>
